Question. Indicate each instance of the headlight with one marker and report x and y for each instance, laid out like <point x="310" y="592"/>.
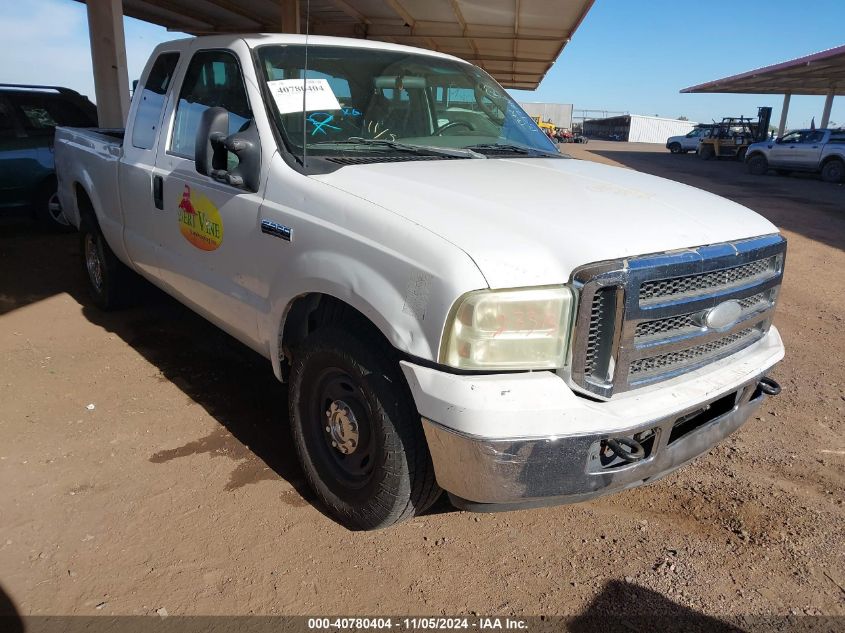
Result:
<point x="509" y="329"/>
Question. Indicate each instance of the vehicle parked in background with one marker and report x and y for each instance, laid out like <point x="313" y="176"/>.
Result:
<point x="687" y="142"/>
<point x="820" y="151"/>
<point x="732" y="137"/>
<point x="453" y="303"/>
<point x="28" y="119"/>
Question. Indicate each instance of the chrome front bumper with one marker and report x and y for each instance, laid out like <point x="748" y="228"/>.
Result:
<point x="483" y="474"/>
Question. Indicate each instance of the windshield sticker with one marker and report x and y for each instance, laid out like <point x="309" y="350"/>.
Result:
<point x="321" y="122"/>
<point x="287" y="93"/>
<point x="199" y="221"/>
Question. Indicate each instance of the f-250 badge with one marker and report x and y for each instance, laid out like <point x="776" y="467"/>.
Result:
<point x="199" y="221"/>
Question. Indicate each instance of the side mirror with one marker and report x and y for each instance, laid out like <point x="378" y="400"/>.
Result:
<point x="209" y="153"/>
<point x="779" y="140"/>
<point x="214" y="143"/>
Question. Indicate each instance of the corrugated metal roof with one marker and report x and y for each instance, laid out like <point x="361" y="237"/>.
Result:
<point x="815" y="74"/>
<point x="516" y="41"/>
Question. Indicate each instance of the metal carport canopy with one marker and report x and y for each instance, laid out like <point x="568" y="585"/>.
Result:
<point x="821" y="73"/>
<point x="516" y="41"/>
<point x="816" y="74"/>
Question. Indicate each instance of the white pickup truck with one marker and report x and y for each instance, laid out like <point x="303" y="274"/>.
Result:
<point x="396" y="244"/>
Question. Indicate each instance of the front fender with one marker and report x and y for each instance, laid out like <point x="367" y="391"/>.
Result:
<point x="407" y="314"/>
<point x="399" y="274"/>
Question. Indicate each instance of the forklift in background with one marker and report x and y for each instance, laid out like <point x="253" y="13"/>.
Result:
<point x="731" y="137"/>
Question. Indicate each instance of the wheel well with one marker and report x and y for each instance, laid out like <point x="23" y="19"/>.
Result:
<point x="750" y="155"/>
<point x="830" y="159"/>
<point x="310" y="312"/>
<point x="85" y="206"/>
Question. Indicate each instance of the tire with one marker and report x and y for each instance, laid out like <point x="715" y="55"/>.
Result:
<point x="833" y="171"/>
<point x="740" y="155"/>
<point x="110" y="282"/>
<point x="48" y="211"/>
<point x="357" y="432"/>
<point x="758" y="165"/>
<point x="676" y="148"/>
<point x="706" y="152"/>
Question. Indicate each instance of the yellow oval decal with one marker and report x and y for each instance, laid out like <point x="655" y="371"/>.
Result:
<point x="199" y="221"/>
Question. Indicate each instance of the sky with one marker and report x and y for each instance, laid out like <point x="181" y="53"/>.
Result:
<point x="627" y="55"/>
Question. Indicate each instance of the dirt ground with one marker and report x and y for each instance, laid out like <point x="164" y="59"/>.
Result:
<point x="145" y="464"/>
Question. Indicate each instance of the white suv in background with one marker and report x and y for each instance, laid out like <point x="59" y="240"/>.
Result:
<point x="687" y="142"/>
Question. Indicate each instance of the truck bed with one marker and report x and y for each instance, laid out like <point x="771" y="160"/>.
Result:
<point x="89" y="157"/>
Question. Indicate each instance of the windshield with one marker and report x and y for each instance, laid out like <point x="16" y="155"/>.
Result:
<point x="372" y="102"/>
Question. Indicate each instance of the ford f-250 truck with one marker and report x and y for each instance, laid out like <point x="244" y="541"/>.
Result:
<point x="385" y="225"/>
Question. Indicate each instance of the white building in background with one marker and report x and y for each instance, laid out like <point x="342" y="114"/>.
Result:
<point x="559" y="114"/>
<point x="636" y="128"/>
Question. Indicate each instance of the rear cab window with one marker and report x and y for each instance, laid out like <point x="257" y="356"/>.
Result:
<point x="152" y="100"/>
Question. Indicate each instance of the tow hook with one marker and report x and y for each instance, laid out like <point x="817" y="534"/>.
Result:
<point x="769" y="386"/>
<point x="627" y="449"/>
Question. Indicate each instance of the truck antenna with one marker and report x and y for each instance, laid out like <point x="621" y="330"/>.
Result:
<point x="305" y="87"/>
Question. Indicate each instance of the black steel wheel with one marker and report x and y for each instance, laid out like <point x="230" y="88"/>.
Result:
<point x="356" y="430"/>
<point x="343" y="429"/>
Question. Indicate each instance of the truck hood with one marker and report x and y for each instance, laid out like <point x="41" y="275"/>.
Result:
<point x="531" y="221"/>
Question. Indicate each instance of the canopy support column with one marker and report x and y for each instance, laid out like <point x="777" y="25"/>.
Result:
<point x="828" y="105"/>
<point x="290" y="16"/>
<point x="784" y="112"/>
<point x="108" y="56"/>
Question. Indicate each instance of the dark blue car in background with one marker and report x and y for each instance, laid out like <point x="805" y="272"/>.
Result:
<point x="28" y="119"/>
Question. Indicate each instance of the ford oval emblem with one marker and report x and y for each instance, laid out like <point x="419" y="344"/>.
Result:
<point x="723" y="315"/>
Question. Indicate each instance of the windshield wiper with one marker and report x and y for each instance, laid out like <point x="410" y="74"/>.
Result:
<point x="511" y="149"/>
<point x="421" y="150"/>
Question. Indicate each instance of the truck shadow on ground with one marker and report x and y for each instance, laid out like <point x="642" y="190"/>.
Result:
<point x="28" y="264"/>
<point x="797" y="202"/>
<point x="232" y="383"/>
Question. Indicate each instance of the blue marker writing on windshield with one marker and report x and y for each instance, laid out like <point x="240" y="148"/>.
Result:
<point x="321" y="124"/>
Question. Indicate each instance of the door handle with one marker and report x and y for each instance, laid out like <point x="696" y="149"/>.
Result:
<point x="158" y="192"/>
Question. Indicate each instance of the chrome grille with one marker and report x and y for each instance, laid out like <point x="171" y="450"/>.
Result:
<point x="657" y="328"/>
<point x="594" y="336"/>
<point x="705" y="283"/>
<point x="666" y="327"/>
<point x="672" y="360"/>
<point x="688" y="323"/>
<point x="600" y="336"/>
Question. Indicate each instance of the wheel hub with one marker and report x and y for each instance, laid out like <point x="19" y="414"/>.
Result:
<point x="342" y="427"/>
<point x="93" y="263"/>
